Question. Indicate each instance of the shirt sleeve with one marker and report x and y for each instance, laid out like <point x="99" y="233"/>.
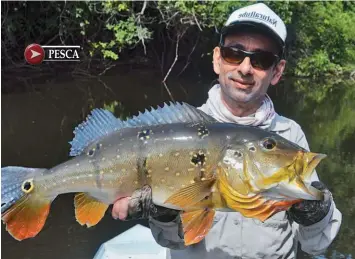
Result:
<point x="168" y="234"/>
<point x="316" y="238"/>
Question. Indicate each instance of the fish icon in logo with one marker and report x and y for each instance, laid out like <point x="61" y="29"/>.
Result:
<point x="34" y="54"/>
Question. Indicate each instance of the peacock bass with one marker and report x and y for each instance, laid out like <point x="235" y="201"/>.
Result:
<point x="192" y="163"/>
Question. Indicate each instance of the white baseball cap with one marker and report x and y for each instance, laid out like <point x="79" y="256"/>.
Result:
<point x="258" y="15"/>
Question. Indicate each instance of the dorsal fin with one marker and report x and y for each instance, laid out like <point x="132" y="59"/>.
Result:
<point x="102" y="122"/>
<point x="172" y="113"/>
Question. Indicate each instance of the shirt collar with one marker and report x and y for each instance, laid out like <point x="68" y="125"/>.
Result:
<point x="280" y="123"/>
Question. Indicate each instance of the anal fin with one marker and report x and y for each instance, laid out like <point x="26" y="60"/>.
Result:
<point x="196" y="225"/>
<point x="88" y="210"/>
<point x="191" y="194"/>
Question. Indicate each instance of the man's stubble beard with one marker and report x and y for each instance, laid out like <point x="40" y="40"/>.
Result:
<point x="240" y="95"/>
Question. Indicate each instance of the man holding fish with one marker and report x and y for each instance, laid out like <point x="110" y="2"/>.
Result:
<point x="248" y="59"/>
<point x="232" y="179"/>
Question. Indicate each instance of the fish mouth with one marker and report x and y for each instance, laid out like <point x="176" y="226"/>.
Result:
<point x="311" y="160"/>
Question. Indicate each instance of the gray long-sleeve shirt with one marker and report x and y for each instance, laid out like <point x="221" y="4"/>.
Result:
<point x="234" y="236"/>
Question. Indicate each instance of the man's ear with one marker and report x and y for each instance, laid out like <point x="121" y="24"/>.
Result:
<point x="277" y="72"/>
<point x="217" y="60"/>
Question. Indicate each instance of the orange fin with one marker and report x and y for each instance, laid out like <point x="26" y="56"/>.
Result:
<point x="191" y="194"/>
<point x="262" y="212"/>
<point x="276" y="207"/>
<point x="263" y="216"/>
<point x="285" y="205"/>
<point x="26" y="218"/>
<point x="88" y="210"/>
<point x="196" y="225"/>
<point x="268" y="209"/>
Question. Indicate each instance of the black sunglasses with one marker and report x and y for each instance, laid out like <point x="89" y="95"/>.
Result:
<point x="258" y="59"/>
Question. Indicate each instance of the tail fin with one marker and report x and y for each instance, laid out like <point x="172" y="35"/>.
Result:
<point x="23" y="209"/>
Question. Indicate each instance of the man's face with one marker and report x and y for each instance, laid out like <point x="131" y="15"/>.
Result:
<point x="243" y="83"/>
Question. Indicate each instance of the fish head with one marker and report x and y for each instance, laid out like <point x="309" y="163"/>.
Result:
<point x="268" y="164"/>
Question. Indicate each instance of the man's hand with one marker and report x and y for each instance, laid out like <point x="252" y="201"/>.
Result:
<point x="120" y="208"/>
<point x="140" y="206"/>
<point x="308" y="212"/>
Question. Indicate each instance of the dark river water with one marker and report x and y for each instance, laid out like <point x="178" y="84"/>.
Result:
<point x="37" y="125"/>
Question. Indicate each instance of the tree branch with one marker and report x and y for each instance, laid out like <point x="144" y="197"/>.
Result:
<point x="198" y="24"/>
<point x="188" y="58"/>
<point x="176" y="58"/>
<point x="143" y="8"/>
<point x="171" y="67"/>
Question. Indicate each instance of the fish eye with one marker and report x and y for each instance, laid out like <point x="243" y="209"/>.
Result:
<point x="27" y="186"/>
<point x="269" y="144"/>
<point x="238" y="154"/>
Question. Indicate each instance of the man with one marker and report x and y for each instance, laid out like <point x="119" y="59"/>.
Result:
<point x="247" y="61"/>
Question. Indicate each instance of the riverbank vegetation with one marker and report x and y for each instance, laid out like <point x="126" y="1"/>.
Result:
<point x="174" y="35"/>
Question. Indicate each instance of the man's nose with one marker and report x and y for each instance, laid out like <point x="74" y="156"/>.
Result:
<point x="245" y="67"/>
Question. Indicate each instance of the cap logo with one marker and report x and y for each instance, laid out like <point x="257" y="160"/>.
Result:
<point x="258" y="16"/>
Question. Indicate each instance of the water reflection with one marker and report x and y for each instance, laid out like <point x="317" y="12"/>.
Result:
<point x="37" y="126"/>
<point x="326" y="111"/>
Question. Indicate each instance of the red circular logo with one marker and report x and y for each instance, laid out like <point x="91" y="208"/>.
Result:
<point x="34" y="54"/>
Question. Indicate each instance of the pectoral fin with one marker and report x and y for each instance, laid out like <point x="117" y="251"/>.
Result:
<point x="88" y="210"/>
<point x="191" y="194"/>
<point x="276" y="207"/>
<point x="267" y="209"/>
<point x="196" y="225"/>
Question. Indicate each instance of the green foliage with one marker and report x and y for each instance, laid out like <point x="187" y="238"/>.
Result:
<point x="324" y="31"/>
<point x="325" y="38"/>
<point x="204" y="14"/>
<point x="326" y="111"/>
<point x="321" y="34"/>
<point x="316" y="65"/>
<point x="118" y="109"/>
<point x="125" y="30"/>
